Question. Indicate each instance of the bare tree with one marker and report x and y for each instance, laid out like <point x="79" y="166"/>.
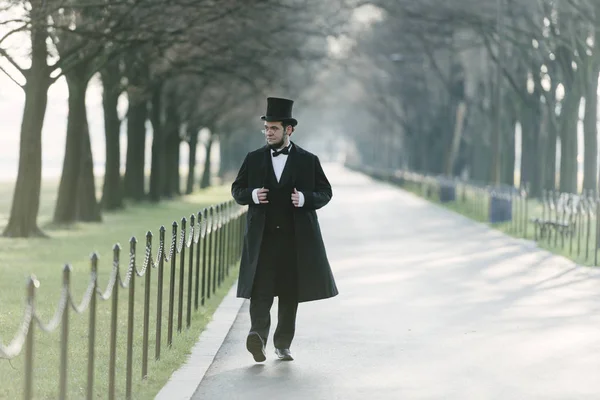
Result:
<point x="516" y="61"/>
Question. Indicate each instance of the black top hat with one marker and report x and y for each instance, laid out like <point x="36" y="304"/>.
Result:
<point x="279" y="110"/>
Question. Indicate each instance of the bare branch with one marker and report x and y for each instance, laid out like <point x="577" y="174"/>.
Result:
<point x="10" y="33"/>
<point x="5" y="54"/>
<point x="11" y="78"/>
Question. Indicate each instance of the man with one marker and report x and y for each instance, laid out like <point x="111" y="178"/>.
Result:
<point x="283" y="253"/>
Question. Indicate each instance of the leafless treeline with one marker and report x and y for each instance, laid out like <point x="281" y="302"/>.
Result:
<point x="445" y="83"/>
<point x="183" y="64"/>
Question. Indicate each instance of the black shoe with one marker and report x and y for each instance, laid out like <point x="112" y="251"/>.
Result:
<point x="256" y="346"/>
<point x="284" y="354"/>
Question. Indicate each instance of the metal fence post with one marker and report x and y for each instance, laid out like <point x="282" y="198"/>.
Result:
<point x="209" y="234"/>
<point x="230" y="222"/>
<point x="597" y="231"/>
<point x="131" y="272"/>
<point x="92" y="329"/>
<point x="222" y="228"/>
<point x="181" y="275"/>
<point x="147" y="287"/>
<point x="204" y="255"/>
<point x="190" y="293"/>
<point x="588" y="229"/>
<point x="172" y="285"/>
<point x="159" y="292"/>
<point x="113" y="326"/>
<point x="526" y="211"/>
<point x="32" y="285"/>
<point x="64" y="338"/>
<point x="217" y="264"/>
<point x="196" y="292"/>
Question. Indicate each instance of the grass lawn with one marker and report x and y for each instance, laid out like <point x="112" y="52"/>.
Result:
<point x="46" y="257"/>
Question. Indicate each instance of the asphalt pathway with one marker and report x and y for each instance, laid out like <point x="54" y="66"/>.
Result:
<point x="432" y="306"/>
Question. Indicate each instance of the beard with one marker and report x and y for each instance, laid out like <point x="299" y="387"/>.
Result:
<point x="278" y="145"/>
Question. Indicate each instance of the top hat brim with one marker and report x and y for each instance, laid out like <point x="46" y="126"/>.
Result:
<point x="270" y="118"/>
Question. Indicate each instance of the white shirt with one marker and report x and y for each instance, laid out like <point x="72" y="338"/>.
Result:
<point x="278" y="166"/>
<point x="279" y="162"/>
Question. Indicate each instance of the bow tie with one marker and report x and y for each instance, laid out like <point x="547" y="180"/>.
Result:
<point x="285" y="150"/>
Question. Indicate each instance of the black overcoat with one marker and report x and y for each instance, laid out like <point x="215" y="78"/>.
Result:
<point x="315" y="279"/>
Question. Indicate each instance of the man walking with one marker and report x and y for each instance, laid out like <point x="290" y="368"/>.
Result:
<point x="283" y="253"/>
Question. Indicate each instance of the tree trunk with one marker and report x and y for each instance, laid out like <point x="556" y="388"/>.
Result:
<point x="531" y="155"/>
<point x="136" y="145"/>
<point x="551" y="171"/>
<point x="172" y="184"/>
<point x="172" y="142"/>
<point x="414" y="153"/>
<point x="508" y="156"/>
<point x="205" y="182"/>
<point x="230" y="154"/>
<point x="528" y="150"/>
<point x="456" y="136"/>
<point x="88" y="209"/>
<point x="26" y="197"/>
<point x="551" y="139"/>
<point x="438" y="140"/>
<point x="541" y="161"/>
<point x="496" y="139"/>
<point x="193" y="135"/>
<point x="157" y="172"/>
<point x="568" y="139"/>
<point x="590" y="132"/>
<point x="224" y="156"/>
<point x="112" y="191"/>
<point x="480" y="164"/>
<point x="66" y="204"/>
<point x="539" y="127"/>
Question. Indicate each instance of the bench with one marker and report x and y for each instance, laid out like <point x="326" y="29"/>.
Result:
<point x="544" y="226"/>
<point x="558" y="216"/>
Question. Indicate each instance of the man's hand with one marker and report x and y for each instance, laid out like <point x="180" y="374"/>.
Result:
<point x="262" y="195"/>
<point x="296" y="198"/>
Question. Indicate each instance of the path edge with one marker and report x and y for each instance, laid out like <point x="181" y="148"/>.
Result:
<point x="183" y="382"/>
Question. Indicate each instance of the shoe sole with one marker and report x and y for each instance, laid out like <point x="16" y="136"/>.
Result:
<point x="255" y="347"/>
<point x="284" y="358"/>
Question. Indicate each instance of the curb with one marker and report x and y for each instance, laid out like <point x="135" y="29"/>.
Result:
<point x="183" y="383"/>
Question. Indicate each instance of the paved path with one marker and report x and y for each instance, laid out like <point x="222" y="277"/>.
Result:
<point x="431" y="306"/>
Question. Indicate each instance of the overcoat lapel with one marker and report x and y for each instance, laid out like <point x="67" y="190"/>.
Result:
<point x="266" y="166"/>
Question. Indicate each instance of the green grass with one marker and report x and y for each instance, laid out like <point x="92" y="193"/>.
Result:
<point x="73" y="244"/>
<point x="476" y="207"/>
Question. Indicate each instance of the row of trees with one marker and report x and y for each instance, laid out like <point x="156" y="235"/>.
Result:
<point x="183" y="65"/>
<point x="445" y="84"/>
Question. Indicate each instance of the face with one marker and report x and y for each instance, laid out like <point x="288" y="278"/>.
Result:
<point x="275" y="135"/>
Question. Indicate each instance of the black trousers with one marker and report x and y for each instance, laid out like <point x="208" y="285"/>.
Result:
<point x="275" y="276"/>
